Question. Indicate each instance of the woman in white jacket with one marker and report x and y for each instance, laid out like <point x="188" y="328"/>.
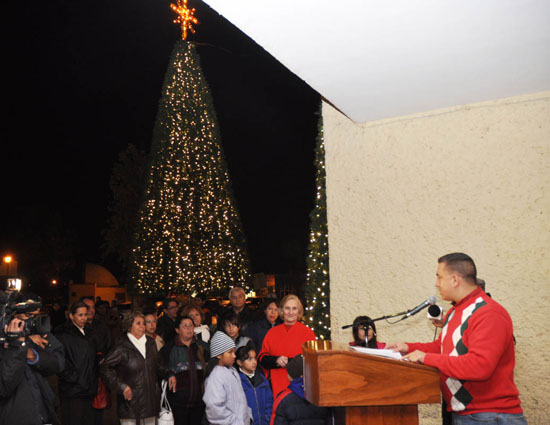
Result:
<point x="223" y="393"/>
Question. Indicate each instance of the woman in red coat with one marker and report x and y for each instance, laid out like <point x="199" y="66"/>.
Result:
<point x="283" y="342"/>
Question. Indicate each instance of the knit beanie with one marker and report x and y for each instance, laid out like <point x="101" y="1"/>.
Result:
<point x="295" y="366"/>
<point x="220" y="343"/>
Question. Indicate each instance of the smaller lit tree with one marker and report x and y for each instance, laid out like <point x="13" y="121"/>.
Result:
<point x="317" y="280"/>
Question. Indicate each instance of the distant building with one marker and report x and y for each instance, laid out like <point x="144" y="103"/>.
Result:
<point x="98" y="282"/>
<point x="263" y="284"/>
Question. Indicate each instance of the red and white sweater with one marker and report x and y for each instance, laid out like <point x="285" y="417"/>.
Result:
<point x="475" y="357"/>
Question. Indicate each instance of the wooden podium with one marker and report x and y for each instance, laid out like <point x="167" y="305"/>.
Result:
<point x="366" y="389"/>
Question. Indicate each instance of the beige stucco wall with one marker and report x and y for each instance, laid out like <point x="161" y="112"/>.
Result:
<point x="402" y="192"/>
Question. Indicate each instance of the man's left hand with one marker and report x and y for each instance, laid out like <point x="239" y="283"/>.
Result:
<point x="415" y="357"/>
<point x="39" y="340"/>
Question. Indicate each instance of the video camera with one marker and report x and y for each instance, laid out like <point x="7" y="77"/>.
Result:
<point x="12" y="303"/>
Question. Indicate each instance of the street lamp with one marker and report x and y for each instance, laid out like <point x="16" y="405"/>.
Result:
<point x="9" y="265"/>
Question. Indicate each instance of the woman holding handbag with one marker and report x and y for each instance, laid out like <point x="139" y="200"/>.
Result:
<point x="186" y="356"/>
<point x="132" y="369"/>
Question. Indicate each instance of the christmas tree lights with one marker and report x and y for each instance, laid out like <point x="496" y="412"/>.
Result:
<point x="317" y="279"/>
<point x="189" y="236"/>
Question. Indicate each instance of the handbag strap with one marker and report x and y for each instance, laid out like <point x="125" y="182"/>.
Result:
<point x="163" y="399"/>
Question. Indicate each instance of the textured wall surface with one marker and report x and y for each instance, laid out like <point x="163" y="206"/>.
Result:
<point x="403" y="192"/>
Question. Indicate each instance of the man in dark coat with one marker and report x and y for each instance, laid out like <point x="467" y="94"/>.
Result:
<point x="166" y="326"/>
<point x="237" y="300"/>
<point x="26" y="397"/>
<point x="78" y="379"/>
<point x="101" y="336"/>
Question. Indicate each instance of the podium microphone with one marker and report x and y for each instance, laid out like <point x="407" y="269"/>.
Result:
<point x="434" y="312"/>
<point x="430" y="301"/>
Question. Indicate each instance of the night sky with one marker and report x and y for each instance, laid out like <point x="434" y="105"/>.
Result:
<point x="84" y="80"/>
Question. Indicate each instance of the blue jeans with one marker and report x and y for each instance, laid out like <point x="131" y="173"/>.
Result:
<point x="490" y="418"/>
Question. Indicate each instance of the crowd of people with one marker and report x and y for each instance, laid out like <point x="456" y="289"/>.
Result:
<point x="239" y="366"/>
<point x="221" y="367"/>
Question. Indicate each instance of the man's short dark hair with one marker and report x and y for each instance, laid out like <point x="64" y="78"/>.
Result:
<point x="101" y="303"/>
<point x="166" y="302"/>
<point x="88" y="298"/>
<point x="76" y="305"/>
<point x="461" y="264"/>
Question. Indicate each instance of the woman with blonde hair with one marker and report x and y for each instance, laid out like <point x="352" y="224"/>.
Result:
<point x="284" y="342"/>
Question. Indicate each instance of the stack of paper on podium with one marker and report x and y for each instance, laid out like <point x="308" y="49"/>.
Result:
<point x="378" y="352"/>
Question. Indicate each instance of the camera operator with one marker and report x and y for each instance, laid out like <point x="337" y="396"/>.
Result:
<point x="27" y="361"/>
<point x="12" y="362"/>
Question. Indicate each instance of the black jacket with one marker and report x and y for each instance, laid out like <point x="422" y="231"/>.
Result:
<point x="257" y="330"/>
<point x="125" y="366"/>
<point x="246" y="316"/>
<point x="166" y="328"/>
<point x="22" y="383"/>
<point x="294" y="410"/>
<point x="101" y="336"/>
<point x="79" y="377"/>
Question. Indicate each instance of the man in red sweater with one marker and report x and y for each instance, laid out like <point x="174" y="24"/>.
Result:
<point x="474" y="352"/>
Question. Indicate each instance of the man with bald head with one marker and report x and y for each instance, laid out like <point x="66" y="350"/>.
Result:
<point x="474" y="352"/>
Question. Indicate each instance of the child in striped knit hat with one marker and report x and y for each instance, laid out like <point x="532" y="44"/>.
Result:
<point x="223" y="394"/>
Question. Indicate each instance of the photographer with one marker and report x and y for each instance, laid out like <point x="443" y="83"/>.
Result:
<point x="12" y="362"/>
<point x="26" y="362"/>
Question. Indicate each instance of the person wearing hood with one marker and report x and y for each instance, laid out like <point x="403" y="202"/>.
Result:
<point x="291" y="407"/>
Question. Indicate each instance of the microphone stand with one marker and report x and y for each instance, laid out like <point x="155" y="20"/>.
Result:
<point x="391" y="316"/>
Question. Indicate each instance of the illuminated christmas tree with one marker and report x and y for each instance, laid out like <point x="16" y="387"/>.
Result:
<point x="317" y="280"/>
<point x="189" y="237"/>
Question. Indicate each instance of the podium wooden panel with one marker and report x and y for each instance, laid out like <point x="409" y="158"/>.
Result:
<point x="366" y="389"/>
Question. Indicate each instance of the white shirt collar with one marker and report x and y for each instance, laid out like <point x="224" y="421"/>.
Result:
<point x="139" y="343"/>
<point x="250" y="375"/>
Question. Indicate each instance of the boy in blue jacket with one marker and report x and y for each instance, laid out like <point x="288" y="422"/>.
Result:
<point x="256" y="387"/>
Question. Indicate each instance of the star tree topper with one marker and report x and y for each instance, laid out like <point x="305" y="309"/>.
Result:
<point x="185" y="18"/>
